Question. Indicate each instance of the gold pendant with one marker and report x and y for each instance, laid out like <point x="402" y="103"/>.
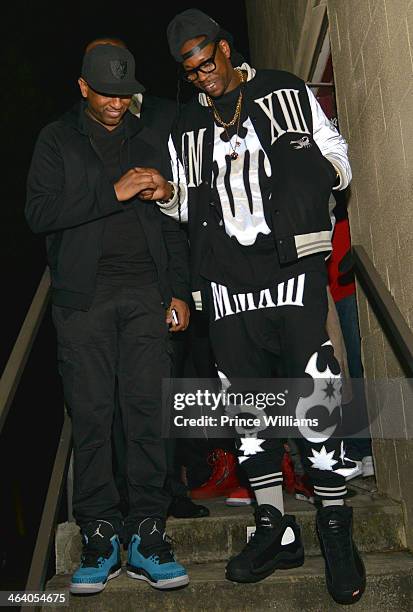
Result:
<point x="234" y="155"/>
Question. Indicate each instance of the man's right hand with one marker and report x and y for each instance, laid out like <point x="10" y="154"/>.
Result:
<point x="146" y="183"/>
<point x="133" y="182"/>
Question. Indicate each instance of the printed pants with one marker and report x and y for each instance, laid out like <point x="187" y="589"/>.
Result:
<point x="281" y="331"/>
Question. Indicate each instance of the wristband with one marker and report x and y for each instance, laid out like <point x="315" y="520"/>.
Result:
<point x="171" y="196"/>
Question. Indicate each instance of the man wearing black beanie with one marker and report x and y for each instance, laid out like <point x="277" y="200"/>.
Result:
<point x="256" y="160"/>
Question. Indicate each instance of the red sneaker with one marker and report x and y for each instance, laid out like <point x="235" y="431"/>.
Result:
<point x="295" y="483"/>
<point x="287" y="468"/>
<point x="241" y="496"/>
<point x="303" y="489"/>
<point x="223" y="479"/>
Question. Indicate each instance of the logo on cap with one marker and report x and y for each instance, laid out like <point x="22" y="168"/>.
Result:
<point x="119" y="68"/>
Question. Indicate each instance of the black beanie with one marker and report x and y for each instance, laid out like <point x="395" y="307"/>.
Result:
<point x="190" y="24"/>
<point x="193" y="23"/>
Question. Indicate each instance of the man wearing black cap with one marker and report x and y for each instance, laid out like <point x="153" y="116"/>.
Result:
<point x="256" y="160"/>
<point x="118" y="270"/>
<point x="157" y="114"/>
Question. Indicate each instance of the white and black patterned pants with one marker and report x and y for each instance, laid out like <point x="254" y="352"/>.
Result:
<point x="281" y="331"/>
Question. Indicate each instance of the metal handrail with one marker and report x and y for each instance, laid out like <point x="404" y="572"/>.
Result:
<point x="13" y="371"/>
<point x="41" y="554"/>
<point x="9" y="383"/>
<point x="391" y="319"/>
<point x="311" y="84"/>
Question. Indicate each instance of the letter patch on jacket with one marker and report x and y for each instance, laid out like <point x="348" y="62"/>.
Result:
<point x="192" y="156"/>
<point x="285" y="105"/>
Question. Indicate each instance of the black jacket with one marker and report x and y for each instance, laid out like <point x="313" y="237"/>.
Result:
<point x="301" y="176"/>
<point x="69" y="196"/>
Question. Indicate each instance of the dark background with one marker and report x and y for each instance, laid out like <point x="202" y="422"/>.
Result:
<point x="42" y="49"/>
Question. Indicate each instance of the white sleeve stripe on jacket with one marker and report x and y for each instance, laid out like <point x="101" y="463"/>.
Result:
<point x="172" y="208"/>
<point x="330" y="142"/>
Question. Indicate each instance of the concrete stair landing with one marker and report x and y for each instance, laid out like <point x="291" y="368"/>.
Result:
<point x="204" y="546"/>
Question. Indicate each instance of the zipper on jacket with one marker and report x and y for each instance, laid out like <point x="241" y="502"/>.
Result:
<point x="99" y="254"/>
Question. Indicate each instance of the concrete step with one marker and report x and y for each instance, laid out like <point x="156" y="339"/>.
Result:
<point x="389" y="587"/>
<point x="378" y="527"/>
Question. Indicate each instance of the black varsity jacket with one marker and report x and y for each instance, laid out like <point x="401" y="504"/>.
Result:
<point x="290" y="132"/>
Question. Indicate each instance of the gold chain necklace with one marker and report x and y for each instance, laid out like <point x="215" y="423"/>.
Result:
<point x="219" y="119"/>
<point x="235" y="118"/>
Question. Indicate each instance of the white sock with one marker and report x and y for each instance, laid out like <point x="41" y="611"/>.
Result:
<point x="272" y="496"/>
<point x="332" y="502"/>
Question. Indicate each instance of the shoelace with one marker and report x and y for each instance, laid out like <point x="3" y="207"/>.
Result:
<point x="91" y="554"/>
<point x="213" y="462"/>
<point x="337" y="538"/>
<point x="212" y="458"/>
<point x="260" y="535"/>
<point x="162" y="550"/>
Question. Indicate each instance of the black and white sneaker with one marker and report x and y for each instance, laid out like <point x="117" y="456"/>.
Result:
<point x="345" y="572"/>
<point x="276" y="544"/>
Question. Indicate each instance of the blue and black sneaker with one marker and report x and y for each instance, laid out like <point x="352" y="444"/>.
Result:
<point x="150" y="557"/>
<point x="100" y="560"/>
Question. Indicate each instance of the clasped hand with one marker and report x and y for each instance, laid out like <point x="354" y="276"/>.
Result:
<point x="146" y="183"/>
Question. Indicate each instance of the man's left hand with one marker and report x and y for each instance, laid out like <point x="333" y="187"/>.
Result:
<point x="154" y="185"/>
<point x="182" y="312"/>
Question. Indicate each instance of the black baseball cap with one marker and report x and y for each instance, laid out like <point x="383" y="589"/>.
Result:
<point x="109" y="69"/>
<point x="190" y="24"/>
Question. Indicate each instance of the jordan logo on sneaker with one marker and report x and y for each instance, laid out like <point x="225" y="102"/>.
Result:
<point x="97" y="532"/>
<point x="154" y="529"/>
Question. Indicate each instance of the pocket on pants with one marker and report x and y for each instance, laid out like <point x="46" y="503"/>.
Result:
<point x="147" y="462"/>
<point x="66" y="368"/>
<point x="93" y="466"/>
